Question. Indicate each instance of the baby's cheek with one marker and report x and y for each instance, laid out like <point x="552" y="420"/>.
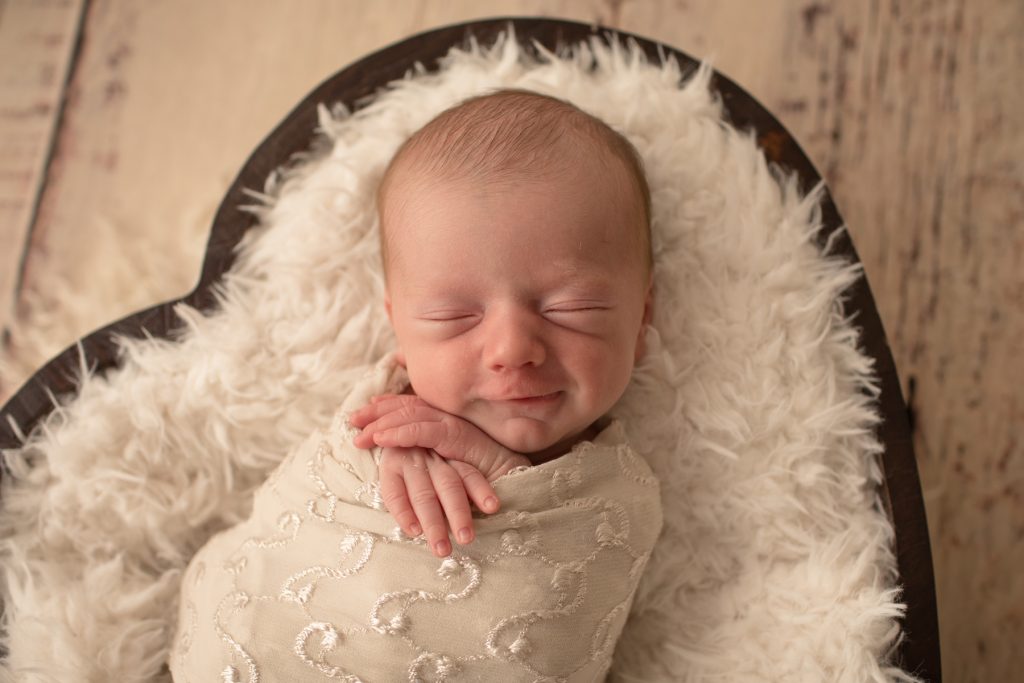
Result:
<point x="435" y="381"/>
<point x="605" y="376"/>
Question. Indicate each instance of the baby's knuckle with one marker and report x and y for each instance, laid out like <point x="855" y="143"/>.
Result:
<point x="421" y="497"/>
<point x="410" y="433"/>
<point x="469" y="472"/>
<point x="451" y="485"/>
<point x="394" y="499"/>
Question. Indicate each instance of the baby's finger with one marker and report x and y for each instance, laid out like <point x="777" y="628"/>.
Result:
<point x="411" y="435"/>
<point x="476" y="486"/>
<point x="405" y="398"/>
<point x="424" y="501"/>
<point x="396" y="500"/>
<point x="448" y="485"/>
<point x="382" y="405"/>
<point x="389" y="420"/>
<point x="387" y="402"/>
<point x="370" y="419"/>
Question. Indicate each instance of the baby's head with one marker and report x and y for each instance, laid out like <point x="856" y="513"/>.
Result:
<point x="516" y="240"/>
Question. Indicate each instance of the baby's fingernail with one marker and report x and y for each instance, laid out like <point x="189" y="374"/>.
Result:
<point x="491" y="504"/>
<point x="415" y="529"/>
<point x="465" y="536"/>
<point x="442" y="548"/>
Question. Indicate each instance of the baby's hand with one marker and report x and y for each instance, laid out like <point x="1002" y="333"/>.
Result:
<point x="421" y="490"/>
<point x="407" y="421"/>
<point x="416" y="483"/>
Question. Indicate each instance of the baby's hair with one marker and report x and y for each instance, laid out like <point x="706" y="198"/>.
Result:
<point x="510" y="134"/>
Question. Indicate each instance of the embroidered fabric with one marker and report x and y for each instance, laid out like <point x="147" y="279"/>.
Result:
<point x="320" y="584"/>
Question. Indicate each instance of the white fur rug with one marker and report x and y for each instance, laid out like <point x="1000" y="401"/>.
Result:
<point x="753" y="406"/>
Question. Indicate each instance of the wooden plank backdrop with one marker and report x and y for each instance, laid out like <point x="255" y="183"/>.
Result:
<point x="123" y="122"/>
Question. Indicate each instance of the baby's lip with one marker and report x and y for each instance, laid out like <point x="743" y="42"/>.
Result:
<point x="527" y="397"/>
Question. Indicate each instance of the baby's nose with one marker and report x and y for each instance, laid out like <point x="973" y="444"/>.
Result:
<point x="513" y="341"/>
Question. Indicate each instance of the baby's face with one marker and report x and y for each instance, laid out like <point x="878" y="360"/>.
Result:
<point x="519" y="308"/>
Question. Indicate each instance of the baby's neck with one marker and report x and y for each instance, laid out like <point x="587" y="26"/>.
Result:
<point x="565" y="445"/>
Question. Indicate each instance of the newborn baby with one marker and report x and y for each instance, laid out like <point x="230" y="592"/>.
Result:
<point x="515" y="235"/>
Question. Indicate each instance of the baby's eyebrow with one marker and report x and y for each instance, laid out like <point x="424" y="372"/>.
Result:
<point x="577" y="277"/>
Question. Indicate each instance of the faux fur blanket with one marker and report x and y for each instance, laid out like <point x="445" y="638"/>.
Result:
<point x="320" y="580"/>
<point x="753" y="406"/>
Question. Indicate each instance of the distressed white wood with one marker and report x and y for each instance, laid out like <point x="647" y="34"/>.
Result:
<point x="911" y="110"/>
<point x="36" y="41"/>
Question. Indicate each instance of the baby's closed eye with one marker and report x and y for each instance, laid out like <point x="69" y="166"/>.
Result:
<point x="448" y="323"/>
<point x="577" y="314"/>
<point x="444" y="316"/>
<point x="577" y="307"/>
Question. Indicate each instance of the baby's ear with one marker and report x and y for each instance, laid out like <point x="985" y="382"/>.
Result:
<point x="641" y="339"/>
<point x="399" y="356"/>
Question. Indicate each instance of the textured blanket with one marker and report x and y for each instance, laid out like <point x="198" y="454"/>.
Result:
<point x="319" y="581"/>
<point x="753" y="406"/>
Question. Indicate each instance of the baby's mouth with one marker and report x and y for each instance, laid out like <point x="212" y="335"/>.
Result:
<point x="531" y="399"/>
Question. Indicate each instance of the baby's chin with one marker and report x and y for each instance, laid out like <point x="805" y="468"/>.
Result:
<point x="537" y="444"/>
<point x="520" y="443"/>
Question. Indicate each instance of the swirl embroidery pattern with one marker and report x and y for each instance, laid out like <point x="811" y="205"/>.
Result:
<point x="319" y="584"/>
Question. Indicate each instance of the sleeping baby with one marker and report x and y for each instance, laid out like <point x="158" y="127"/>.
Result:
<point x="516" y="246"/>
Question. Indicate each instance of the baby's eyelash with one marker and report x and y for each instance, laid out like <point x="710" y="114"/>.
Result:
<point x="446" y="316"/>
<point x="576" y="308"/>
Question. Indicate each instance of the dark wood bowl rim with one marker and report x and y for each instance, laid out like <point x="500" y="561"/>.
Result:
<point x="901" y="491"/>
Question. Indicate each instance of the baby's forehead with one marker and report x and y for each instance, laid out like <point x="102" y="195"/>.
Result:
<point x="536" y="162"/>
<point x="579" y="189"/>
<point x="507" y="140"/>
<point x="575" y="158"/>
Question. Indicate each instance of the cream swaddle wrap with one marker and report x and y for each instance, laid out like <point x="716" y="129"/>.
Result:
<point x="320" y="584"/>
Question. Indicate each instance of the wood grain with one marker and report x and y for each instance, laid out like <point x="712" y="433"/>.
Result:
<point x="908" y="114"/>
<point x="911" y="111"/>
<point x="36" y="43"/>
